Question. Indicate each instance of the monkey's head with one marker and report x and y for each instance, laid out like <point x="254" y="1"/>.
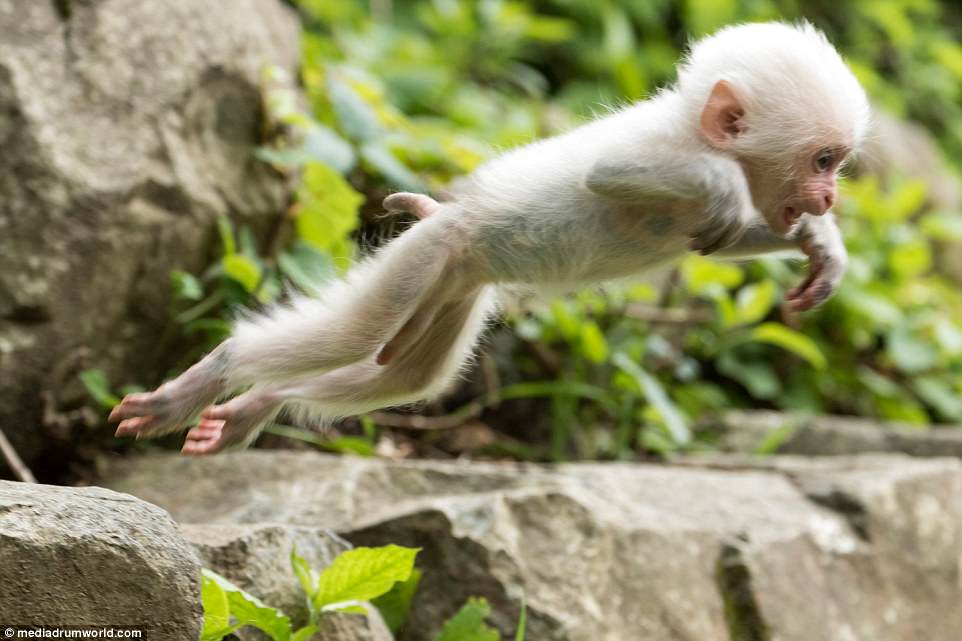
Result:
<point x="781" y="101"/>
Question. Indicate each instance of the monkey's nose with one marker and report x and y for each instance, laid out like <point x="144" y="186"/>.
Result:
<point x="829" y="200"/>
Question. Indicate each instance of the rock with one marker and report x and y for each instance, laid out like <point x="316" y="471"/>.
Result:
<point x="93" y="557"/>
<point x="744" y="431"/>
<point x="128" y="128"/>
<point x="785" y="548"/>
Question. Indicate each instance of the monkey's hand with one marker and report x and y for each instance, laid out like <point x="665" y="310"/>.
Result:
<point x="820" y="239"/>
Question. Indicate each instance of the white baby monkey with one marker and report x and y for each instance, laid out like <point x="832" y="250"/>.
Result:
<point x="740" y="157"/>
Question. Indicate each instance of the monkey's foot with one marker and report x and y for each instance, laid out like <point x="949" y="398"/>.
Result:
<point x="170" y="407"/>
<point x="232" y="423"/>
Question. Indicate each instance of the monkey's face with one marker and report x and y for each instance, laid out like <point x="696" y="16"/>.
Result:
<point x="803" y="184"/>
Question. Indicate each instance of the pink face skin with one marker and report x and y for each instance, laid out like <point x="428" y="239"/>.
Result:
<point x="811" y="189"/>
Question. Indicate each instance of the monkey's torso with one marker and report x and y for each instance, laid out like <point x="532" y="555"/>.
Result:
<point x="531" y="218"/>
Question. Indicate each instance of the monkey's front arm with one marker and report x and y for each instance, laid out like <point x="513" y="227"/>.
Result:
<point x="732" y="227"/>
<point x="714" y="185"/>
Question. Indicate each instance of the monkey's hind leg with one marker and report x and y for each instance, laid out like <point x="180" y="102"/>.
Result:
<point x="172" y="405"/>
<point x="348" y="323"/>
<point x="422" y="370"/>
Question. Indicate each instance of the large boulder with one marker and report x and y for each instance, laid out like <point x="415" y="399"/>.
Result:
<point x="93" y="558"/>
<point x="745" y="431"/>
<point x="791" y="548"/>
<point x="127" y="128"/>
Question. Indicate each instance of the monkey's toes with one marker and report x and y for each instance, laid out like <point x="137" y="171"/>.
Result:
<point x="206" y="438"/>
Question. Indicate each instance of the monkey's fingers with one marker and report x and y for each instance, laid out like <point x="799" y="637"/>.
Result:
<point x="418" y="204"/>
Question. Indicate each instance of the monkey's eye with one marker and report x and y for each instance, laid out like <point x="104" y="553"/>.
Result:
<point x="824" y="160"/>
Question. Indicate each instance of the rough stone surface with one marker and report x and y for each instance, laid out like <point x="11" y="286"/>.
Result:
<point x="789" y="548"/>
<point x="744" y="431"/>
<point x="93" y="557"/>
<point x="127" y="127"/>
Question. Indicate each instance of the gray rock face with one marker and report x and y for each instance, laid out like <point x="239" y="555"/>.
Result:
<point x="93" y="557"/>
<point x="127" y="127"/>
<point x="744" y="431"/>
<point x="789" y="549"/>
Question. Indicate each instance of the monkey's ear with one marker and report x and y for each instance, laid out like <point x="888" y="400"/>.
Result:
<point x="721" y="119"/>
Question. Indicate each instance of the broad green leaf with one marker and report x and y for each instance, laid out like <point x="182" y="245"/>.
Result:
<point x="469" y="624"/>
<point x="95" y="382"/>
<point x="395" y="605"/>
<point x="655" y="394"/>
<point x="356" y="445"/>
<point x="754" y="302"/>
<point x="788" y="339"/>
<point x="216" y="611"/>
<point x="942" y="226"/>
<point x="306" y="266"/>
<point x="910" y="353"/>
<point x="939" y="394"/>
<point x="363" y="574"/>
<point x="305" y="634"/>
<point x="247" y="609"/>
<point x="910" y="258"/>
<point x="186" y="286"/>
<point x="243" y="270"/>
<point x="757" y="376"/>
<point x="708" y="277"/>
<point x="327" y="210"/>
<point x="324" y="145"/>
<point x="355" y="116"/>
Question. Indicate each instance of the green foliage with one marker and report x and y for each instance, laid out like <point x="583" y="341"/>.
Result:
<point x="468" y="624"/>
<point x="385" y="576"/>
<point x="358" y="575"/>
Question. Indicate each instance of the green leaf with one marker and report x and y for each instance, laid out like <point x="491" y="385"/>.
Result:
<point x="216" y="611"/>
<point x="708" y="277"/>
<point x="363" y="574"/>
<point x="468" y="624"/>
<point x="243" y="270"/>
<point x="95" y="382"/>
<point x="939" y="394"/>
<point x="655" y="395"/>
<point x="355" y="116"/>
<point x="754" y="302"/>
<point x="788" y="339"/>
<point x="775" y="439"/>
<point x="306" y="575"/>
<point x="910" y="353"/>
<point x="522" y="621"/>
<point x="394" y="172"/>
<point x="226" y="230"/>
<point x="324" y="145"/>
<point x="247" y="609"/>
<point x="327" y="210"/>
<point x="305" y="634"/>
<point x="307" y="267"/>
<point x="186" y="286"/>
<point x="593" y="344"/>
<point x="395" y="605"/>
